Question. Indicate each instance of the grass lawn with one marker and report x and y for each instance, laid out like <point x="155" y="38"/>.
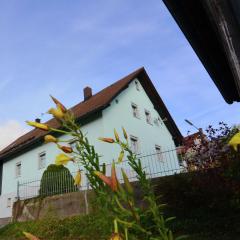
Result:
<point x="94" y="227"/>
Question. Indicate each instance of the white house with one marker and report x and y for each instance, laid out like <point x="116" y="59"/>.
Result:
<point x="132" y="102"/>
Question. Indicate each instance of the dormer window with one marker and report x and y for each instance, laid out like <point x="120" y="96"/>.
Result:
<point x="137" y="85"/>
<point x="148" y="117"/>
<point x="135" y="110"/>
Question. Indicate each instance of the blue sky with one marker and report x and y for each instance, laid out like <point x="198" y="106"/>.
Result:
<point x="58" y="47"/>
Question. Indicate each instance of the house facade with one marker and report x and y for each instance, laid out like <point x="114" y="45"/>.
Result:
<point x="132" y="102"/>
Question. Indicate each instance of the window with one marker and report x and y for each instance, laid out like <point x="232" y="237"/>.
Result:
<point x="9" y="202"/>
<point x="18" y="169"/>
<point x="159" y="153"/>
<point x="42" y="160"/>
<point x="135" y="110"/>
<point x="148" y="117"/>
<point x="134" y="144"/>
<point x="137" y="85"/>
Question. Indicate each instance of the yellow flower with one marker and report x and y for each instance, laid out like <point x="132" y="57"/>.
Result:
<point x="50" y="138"/>
<point x="78" y="178"/>
<point x="62" y="159"/>
<point x="125" y="133"/>
<point x="30" y="236"/>
<point x="108" y="140"/>
<point x="56" y="112"/>
<point x="41" y="126"/>
<point x="116" y="236"/>
<point x="116" y="135"/>
<point x="59" y="104"/>
<point x="235" y="141"/>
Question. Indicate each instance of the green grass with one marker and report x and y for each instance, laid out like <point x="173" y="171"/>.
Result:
<point x="79" y="227"/>
<point x="93" y="227"/>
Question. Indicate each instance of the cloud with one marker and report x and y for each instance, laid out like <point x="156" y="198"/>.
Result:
<point x="9" y="131"/>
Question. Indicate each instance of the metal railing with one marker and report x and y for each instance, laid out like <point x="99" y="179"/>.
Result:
<point x="154" y="164"/>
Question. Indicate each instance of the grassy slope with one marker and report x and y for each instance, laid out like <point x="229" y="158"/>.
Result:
<point x="79" y="227"/>
<point x="95" y="227"/>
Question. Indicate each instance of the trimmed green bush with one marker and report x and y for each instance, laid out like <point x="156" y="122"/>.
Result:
<point x="56" y="180"/>
<point x="206" y="204"/>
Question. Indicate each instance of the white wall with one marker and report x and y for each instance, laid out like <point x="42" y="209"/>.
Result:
<point x="117" y="115"/>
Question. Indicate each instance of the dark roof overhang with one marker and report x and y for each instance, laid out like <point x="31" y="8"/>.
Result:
<point x="212" y="27"/>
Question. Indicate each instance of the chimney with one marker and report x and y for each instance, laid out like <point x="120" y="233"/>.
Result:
<point x="87" y="92"/>
<point x="38" y="120"/>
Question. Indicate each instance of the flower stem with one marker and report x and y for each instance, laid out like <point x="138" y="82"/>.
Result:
<point x="115" y="226"/>
<point x="126" y="233"/>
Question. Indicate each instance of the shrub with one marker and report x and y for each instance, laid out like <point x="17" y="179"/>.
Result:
<point x="212" y="150"/>
<point x="56" y="180"/>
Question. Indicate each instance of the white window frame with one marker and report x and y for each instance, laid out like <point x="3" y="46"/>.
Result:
<point x="18" y="169"/>
<point x="9" y="202"/>
<point x="135" y="110"/>
<point x="148" y="117"/>
<point x="137" y="85"/>
<point x="136" y="147"/>
<point x="40" y="165"/>
<point x="159" y="154"/>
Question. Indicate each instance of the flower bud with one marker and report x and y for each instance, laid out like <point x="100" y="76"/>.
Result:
<point x="56" y="112"/>
<point x="41" y="126"/>
<point x="78" y="178"/>
<point x="121" y="155"/>
<point x="108" y="140"/>
<point x="127" y="183"/>
<point x="50" y="138"/>
<point x="65" y="149"/>
<point x="116" y="236"/>
<point x="116" y="135"/>
<point x="59" y="104"/>
<point x="124" y="133"/>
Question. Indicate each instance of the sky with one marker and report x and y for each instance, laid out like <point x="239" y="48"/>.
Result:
<point x="58" y="47"/>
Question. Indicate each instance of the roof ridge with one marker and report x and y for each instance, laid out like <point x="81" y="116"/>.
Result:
<point x="17" y="142"/>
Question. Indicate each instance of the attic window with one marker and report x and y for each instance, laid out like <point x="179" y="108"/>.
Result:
<point x="148" y="117"/>
<point x="135" y="110"/>
<point x="18" y="169"/>
<point x="137" y="85"/>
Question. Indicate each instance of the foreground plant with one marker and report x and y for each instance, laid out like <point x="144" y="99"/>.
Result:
<point x="129" y="215"/>
<point x="117" y="200"/>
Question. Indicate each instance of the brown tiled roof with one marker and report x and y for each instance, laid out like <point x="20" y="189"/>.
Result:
<point x="96" y="103"/>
